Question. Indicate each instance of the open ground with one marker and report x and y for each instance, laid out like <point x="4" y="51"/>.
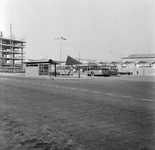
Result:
<point x="98" y="113"/>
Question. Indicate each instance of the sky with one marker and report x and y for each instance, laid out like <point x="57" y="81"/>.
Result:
<point x="104" y="30"/>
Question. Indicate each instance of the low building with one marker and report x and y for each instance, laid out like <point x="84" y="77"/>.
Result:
<point x="39" y="67"/>
<point x="139" y="64"/>
<point x="86" y="62"/>
<point x="142" y="59"/>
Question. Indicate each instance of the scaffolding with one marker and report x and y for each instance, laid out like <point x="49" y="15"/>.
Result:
<point x="11" y="54"/>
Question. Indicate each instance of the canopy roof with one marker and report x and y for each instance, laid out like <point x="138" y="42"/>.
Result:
<point x="86" y="61"/>
<point x="129" y="62"/>
<point x="143" y="62"/>
<point x="39" y="61"/>
<point x="72" y="61"/>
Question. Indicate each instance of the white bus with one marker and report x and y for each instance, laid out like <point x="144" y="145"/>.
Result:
<point x="105" y="70"/>
<point x="65" y="70"/>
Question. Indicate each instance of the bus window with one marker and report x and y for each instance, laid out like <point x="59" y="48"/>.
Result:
<point x="106" y="70"/>
<point x="65" y="70"/>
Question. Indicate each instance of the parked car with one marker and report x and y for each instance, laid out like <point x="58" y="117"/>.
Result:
<point x="125" y="73"/>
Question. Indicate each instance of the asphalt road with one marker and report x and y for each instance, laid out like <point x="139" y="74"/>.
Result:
<point x="98" y="113"/>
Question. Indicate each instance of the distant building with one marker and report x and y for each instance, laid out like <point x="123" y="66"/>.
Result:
<point x="11" y="54"/>
<point x="139" y="60"/>
<point x="139" y="64"/>
<point x="86" y="61"/>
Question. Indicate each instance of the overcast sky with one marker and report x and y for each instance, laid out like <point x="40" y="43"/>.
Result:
<point x="97" y="29"/>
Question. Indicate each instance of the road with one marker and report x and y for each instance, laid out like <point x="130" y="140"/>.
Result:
<point x="98" y="113"/>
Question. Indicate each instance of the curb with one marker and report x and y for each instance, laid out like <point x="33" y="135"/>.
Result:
<point x="46" y="77"/>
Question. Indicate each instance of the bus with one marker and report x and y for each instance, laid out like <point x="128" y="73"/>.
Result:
<point x="65" y="70"/>
<point x="104" y="70"/>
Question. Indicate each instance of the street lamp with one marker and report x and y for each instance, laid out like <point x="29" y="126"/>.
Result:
<point x="79" y="66"/>
<point x="110" y="56"/>
<point x="60" y="38"/>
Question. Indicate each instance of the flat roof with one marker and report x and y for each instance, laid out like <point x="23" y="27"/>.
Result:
<point x="134" y="56"/>
<point x="17" y="40"/>
<point x="42" y="61"/>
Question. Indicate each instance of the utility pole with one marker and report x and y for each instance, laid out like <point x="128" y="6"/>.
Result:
<point x="79" y="66"/>
<point x="11" y="44"/>
<point x="60" y="38"/>
<point x="110" y="56"/>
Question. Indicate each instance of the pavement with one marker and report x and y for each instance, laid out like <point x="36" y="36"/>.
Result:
<point x="75" y="76"/>
<point x="100" y="114"/>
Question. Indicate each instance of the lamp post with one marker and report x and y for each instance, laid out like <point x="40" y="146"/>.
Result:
<point x="79" y="66"/>
<point x="120" y="57"/>
<point x="110" y="56"/>
<point x="60" y="38"/>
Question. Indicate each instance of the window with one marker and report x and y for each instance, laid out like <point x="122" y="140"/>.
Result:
<point x="43" y="69"/>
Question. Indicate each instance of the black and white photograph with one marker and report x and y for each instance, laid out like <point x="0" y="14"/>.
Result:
<point x="77" y="74"/>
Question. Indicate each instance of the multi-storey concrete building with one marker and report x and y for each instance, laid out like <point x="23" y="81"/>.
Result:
<point x="11" y="54"/>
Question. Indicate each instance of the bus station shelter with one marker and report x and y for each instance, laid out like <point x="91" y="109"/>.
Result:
<point x="41" y="67"/>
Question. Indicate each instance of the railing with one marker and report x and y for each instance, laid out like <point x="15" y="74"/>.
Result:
<point x="7" y="64"/>
<point x="11" y="58"/>
<point x="13" y="45"/>
<point x="13" y="38"/>
<point x="11" y="51"/>
<point x="18" y="64"/>
<point x="11" y="64"/>
<point x="22" y="39"/>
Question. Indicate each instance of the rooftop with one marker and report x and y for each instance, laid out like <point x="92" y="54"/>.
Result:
<point x="132" y="56"/>
<point x="15" y="39"/>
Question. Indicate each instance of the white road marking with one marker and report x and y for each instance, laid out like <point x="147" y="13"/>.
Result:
<point x="95" y="92"/>
<point x="57" y="86"/>
<point x="43" y="84"/>
<point x="37" y="83"/>
<point x="4" y="78"/>
<point x="73" y="88"/>
<point x="148" y="100"/>
<point x="110" y="94"/>
<point x="126" y="96"/>
<point x="48" y="85"/>
<point x="83" y="90"/>
<point x="63" y="87"/>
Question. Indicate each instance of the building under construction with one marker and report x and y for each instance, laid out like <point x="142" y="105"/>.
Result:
<point x="11" y="54"/>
